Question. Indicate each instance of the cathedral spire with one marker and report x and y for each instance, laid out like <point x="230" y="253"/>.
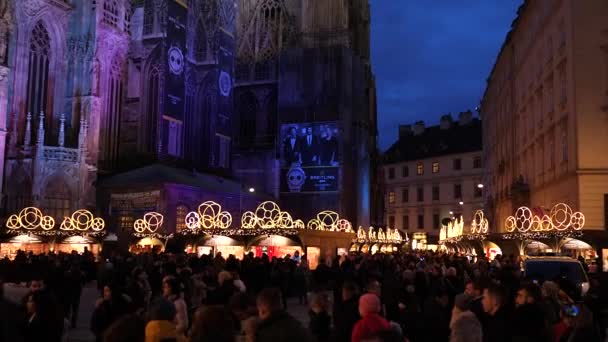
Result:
<point x="61" y="130"/>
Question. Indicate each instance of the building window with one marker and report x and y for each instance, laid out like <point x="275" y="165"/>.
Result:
<point x="457" y="164"/>
<point x="148" y="17"/>
<point x="200" y="44"/>
<point x="391" y="173"/>
<point x="110" y="13"/>
<point x="564" y="143"/>
<point x="248" y="111"/>
<point x="391" y="221"/>
<point x="180" y="218"/>
<point x="391" y="198"/>
<point x="405" y="195"/>
<point x="419" y="169"/>
<point x="38" y="76"/>
<point x="477" y="163"/>
<point x="174" y="138"/>
<point x="405" y="172"/>
<point x="126" y="223"/>
<point x="436" y="221"/>
<point x="457" y="191"/>
<point x="420" y="221"/>
<point x="223" y="151"/>
<point x="477" y="191"/>
<point x="111" y="126"/>
<point x="435" y="167"/>
<point x="420" y="194"/>
<point x="406" y="222"/>
<point x="435" y="192"/>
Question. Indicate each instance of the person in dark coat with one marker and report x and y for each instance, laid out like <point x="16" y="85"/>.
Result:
<point x="496" y="326"/>
<point x="9" y="326"/>
<point x="276" y="325"/>
<point x="347" y="313"/>
<point x="529" y="322"/>
<point x="42" y="322"/>
<point x="320" y="321"/>
<point x="108" y="309"/>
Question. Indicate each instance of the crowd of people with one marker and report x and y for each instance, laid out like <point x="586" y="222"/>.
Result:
<point x="404" y="296"/>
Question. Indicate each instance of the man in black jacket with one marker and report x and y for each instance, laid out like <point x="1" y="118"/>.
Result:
<point x="496" y="327"/>
<point x="276" y="325"/>
<point x="529" y="321"/>
<point x="347" y="313"/>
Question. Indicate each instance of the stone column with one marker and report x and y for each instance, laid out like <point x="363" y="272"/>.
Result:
<point x="4" y="72"/>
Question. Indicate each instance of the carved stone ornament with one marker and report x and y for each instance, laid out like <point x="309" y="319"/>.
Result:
<point x="32" y="7"/>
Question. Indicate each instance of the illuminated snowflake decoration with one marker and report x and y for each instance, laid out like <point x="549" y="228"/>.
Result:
<point x="560" y="218"/>
<point x="82" y="220"/>
<point x="30" y="218"/>
<point x="149" y="223"/>
<point x="480" y="224"/>
<point x="208" y="216"/>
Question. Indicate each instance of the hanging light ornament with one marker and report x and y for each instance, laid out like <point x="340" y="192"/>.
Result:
<point x="82" y="220"/>
<point x="30" y="218"/>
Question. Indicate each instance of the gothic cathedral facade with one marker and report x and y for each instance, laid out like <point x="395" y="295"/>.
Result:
<point x="96" y="87"/>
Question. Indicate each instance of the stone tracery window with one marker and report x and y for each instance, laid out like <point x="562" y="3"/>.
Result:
<point x="110" y="13"/>
<point x="148" y="17"/>
<point x="113" y="111"/>
<point x="152" y="96"/>
<point x="248" y="108"/>
<point x="200" y="45"/>
<point x="38" y="70"/>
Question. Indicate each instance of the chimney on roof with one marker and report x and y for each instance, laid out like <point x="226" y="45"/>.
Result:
<point x="465" y="118"/>
<point x="404" y="130"/>
<point x="419" y="128"/>
<point x="445" y="122"/>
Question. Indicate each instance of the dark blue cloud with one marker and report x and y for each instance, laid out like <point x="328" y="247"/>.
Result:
<point x="432" y="57"/>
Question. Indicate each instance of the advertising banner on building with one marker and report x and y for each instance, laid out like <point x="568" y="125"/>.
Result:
<point x="310" y="157"/>
<point x="176" y="52"/>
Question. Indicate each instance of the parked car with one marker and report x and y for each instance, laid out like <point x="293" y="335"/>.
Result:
<point x="568" y="273"/>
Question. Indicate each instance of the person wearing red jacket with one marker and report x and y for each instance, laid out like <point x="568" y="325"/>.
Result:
<point x="371" y="322"/>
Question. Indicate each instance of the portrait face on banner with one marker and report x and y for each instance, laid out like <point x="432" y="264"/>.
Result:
<point x="310" y="157"/>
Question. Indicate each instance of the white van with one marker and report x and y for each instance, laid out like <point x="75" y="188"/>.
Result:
<point x="562" y="270"/>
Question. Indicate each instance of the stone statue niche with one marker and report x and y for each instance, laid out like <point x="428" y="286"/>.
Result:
<point x="6" y="26"/>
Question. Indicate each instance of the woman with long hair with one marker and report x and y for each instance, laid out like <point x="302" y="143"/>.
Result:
<point x="173" y="292"/>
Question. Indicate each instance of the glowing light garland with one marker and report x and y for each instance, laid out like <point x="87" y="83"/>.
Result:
<point x="148" y="225"/>
<point x="480" y="224"/>
<point x="391" y="236"/>
<point x="82" y="220"/>
<point x="268" y="215"/>
<point x="561" y="218"/>
<point x="330" y="221"/>
<point x="209" y="216"/>
<point x="31" y="218"/>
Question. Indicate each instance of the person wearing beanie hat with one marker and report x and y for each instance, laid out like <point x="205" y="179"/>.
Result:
<point x="371" y="322"/>
<point x="462" y="303"/>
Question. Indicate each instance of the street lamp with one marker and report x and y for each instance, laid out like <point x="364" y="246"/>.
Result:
<point x="451" y="212"/>
<point x="461" y="202"/>
<point x="252" y="190"/>
<point x="480" y="186"/>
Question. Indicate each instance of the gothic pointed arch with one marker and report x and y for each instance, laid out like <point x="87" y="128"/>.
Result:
<point x="152" y="79"/>
<point x="200" y="43"/>
<point x="265" y="30"/>
<point x="113" y="110"/>
<point x="247" y="109"/>
<point x="39" y="58"/>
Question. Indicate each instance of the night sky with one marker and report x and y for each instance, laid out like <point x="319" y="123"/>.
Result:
<point x="432" y="57"/>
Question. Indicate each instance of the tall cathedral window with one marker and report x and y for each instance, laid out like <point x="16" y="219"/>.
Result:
<point x="38" y="69"/>
<point x="152" y="97"/>
<point x="110" y="13"/>
<point x="57" y="197"/>
<point x="223" y="151"/>
<point x="113" y="110"/>
<point x="270" y="27"/>
<point x="148" y="17"/>
<point x="248" y="108"/>
<point x="200" y="48"/>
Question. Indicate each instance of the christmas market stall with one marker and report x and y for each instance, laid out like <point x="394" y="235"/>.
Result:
<point x="455" y="238"/>
<point x="32" y="231"/>
<point x="374" y="241"/>
<point x="150" y="234"/>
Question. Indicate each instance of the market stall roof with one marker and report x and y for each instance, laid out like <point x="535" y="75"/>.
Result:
<point x="158" y="174"/>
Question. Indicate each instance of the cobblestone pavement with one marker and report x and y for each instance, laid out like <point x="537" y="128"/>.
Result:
<point x="87" y="302"/>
